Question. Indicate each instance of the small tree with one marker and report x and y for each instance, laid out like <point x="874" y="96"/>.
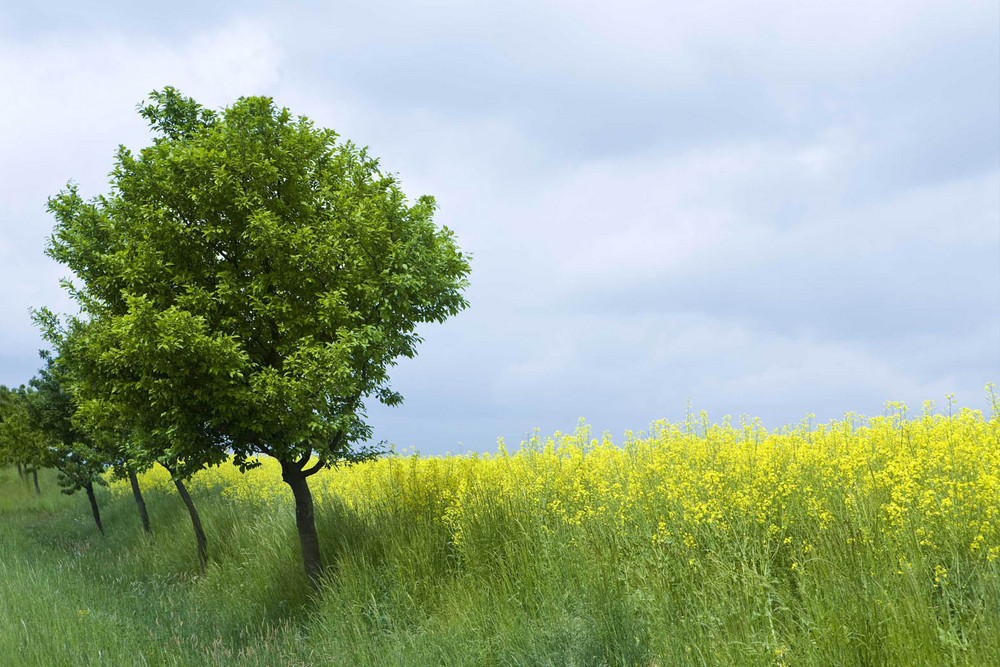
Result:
<point x="106" y="428"/>
<point x="69" y="449"/>
<point x="250" y="280"/>
<point x="116" y="433"/>
<point x="20" y="442"/>
<point x="129" y="450"/>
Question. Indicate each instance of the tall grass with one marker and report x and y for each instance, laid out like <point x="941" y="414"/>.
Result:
<point x="861" y="542"/>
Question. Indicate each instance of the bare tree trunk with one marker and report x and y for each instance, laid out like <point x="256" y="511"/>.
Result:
<point x="93" y="507"/>
<point x="199" y="533"/>
<point x="34" y="475"/>
<point x="20" y="471"/>
<point x="140" y="503"/>
<point x="305" y="520"/>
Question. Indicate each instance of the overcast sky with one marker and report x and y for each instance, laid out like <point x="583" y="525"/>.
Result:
<point x="771" y="209"/>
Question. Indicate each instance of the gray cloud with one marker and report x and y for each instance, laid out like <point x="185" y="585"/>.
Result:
<point x="775" y="209"/>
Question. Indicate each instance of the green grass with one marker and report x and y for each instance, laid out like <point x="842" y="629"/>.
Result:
<point x="398" y="593"/>
<point x="69" y="597"/>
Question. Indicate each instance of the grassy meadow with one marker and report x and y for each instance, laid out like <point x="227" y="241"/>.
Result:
<point x="858" y="542"/>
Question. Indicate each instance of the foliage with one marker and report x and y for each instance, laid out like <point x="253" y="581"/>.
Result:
<point x="890" y="484"/>
<point x="862" y="541"/>
<point x="75" y="411"/>
<point x="248" y="281"/>
<point x="20" y="442"/>
<point x="853" y="542"/>
<point x="69" y="449"/>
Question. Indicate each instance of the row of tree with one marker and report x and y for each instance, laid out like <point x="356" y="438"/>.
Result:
<point x="244" y="287"/>
<point x="38" y="430"/>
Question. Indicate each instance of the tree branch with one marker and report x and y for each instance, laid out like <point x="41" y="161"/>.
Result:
<point x="315" y="468"/>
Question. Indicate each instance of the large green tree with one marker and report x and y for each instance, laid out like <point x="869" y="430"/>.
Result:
<point x="250" y="279"/>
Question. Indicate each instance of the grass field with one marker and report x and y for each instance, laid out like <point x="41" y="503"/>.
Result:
<point x="860" y="542"/>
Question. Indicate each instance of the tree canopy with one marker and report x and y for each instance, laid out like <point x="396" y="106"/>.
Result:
<point x="20" y="442"/>
<point x="247" y="282"/>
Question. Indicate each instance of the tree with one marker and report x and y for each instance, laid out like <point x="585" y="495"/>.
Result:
<point x="105" y="433"/>
<point x="20" y="442"/>
<point x="250" y="280"/>
<point x="119" y="434"/>
<point x="69" y="449"/>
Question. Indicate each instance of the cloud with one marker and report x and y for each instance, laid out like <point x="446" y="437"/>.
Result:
<point x="625" y="372"/>
<point x="588" y="80"/>
<point x="777" y="209"/>
<point x="71" y="101"/>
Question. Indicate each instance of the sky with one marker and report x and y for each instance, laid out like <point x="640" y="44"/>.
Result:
<point x="773" y="209"/>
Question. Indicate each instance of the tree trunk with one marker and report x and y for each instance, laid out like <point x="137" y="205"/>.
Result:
<point x="34" y="475"/>
<point x="199" y="534"/>
<point x="93" y="507"/>
<point x="305" y="520"/>
<point x="20" y="471"/>
<point x="140" y="503"/>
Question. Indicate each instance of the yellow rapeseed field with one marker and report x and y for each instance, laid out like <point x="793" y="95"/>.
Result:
<point x="891" y="486"/>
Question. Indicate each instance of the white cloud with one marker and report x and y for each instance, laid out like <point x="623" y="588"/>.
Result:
<point x="777" y="208"/>
<point x="70" y="100"/>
